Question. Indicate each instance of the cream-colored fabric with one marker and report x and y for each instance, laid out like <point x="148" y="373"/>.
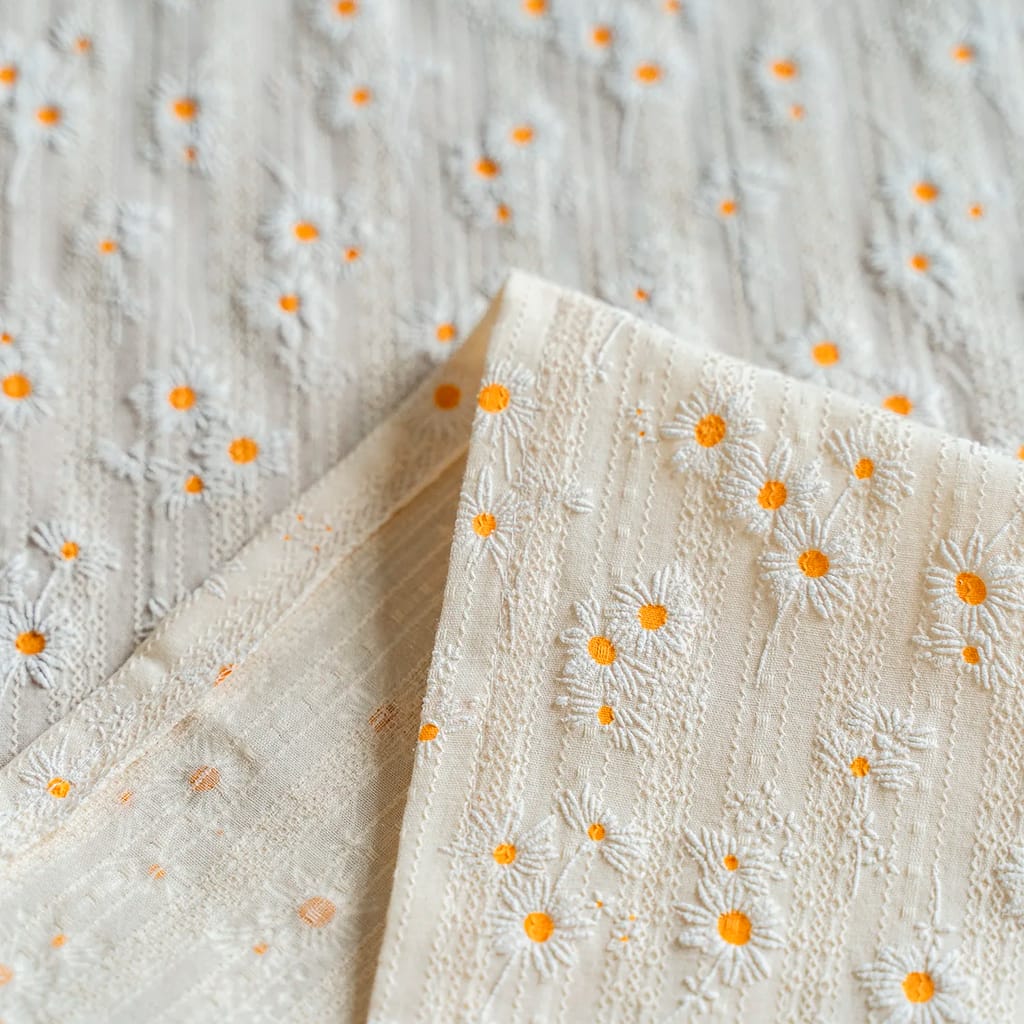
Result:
<point x="722" y="720"/>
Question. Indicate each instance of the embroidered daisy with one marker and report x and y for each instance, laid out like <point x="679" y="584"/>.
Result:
<point x="536" y="923"/>
<point x="528" y="17"/>
<point x="655" y="616"/>
<point x="906" y="393"/>
<point x="712" y="426"/>
<point x="289" y="302"/>
<point x="303" y="230"/>
<point x="505" y="407"/>
<point x="35" y="645"/>
<point x="49" y="778"/>
<point x="439" y="325"/>
<point x="336" y="20"/>
<point x="73" y="550"/>
<point x="758" y="490"/>
<point x="207" y="774"/>
<point x="875" y="744"/>
<point x="75" y="36"/>
<point x="914" y="986"/>
<point x="811" y="565"/>
<point x="975" y="653"/>
<point x="870" y="471"/>
<point x="442" y="715"/>
<point x="533" y="132"/>
<point x="625" y="723"/>
<point x="27" y="387"/>
<point x="484" y="190"/>
<point x="728" y="859"/>
<point x="732" y="195"/>
<point x="358" y="94"/>
<point x="48" y="107"/>
<point x="186" y="118"/>
<point x="783" y="77"/>
<point x="918" y="189"/>
<point x="822" y="352"/>
<point x="596" y="659"/>
<point x="500" y="845"/>
<point x="624" y="847"/>
<point x="592" y="30"/>
<point x="185" y="398"/>
<point x="973" y="588"/>
<point x="646" y="65"/>
<point x="11" y="53"/>
<point x="921" y="266"/>
<point x="358" y="240"/>
<point x="1010" y="876"/>
<point x="735" y="928"/>
<point x="488" y="524"/>
<point x="244" y="451"/>
<point x="115" y="230"/>
<point x="644" y="287"/>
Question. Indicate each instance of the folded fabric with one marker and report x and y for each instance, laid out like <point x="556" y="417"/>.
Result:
<point x="717" y="716"/>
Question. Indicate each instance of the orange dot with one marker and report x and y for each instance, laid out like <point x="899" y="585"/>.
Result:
<point x="813" y="563"/>
<point x="181" y="398"/>
<point x="16" y="386"/>
<point x="184" y="108"/>
<point x="346" y="8"/>
<point x="605" y="715"/>
<point x="223" y="673"/>
<point x="727" y="207"/>
<point x="596" y="832"/>
<point x="772" y="495"/>
<point x="305" y="231"/>
<point x="6" y="975"/>
<point x="647" y="73"/>
<point x="734" y="927"/>
<point x="125" y="797"/>
<point x="58" y="941"/>
<point x="204" y="778"/>
<point x="156" y="871"/>
<point x="601" y="35"/>
<point x="963" y="53"/>
<point x="899" y="404"/>
<point x="535" y="8"/>
<point x="445" y="332"/>
<point x="361" y="96"/>
<point x="190" y="153"/>
<point x="193" y="484"/>
<point x="49" y="115"/>
<point x="971" y="655"/>
<point x="970" y="588"/>
<point x="83" y="44"/>
<point x="243" y="450"/>
<point x="976" y="211"/>
<point x="641" y="294"/>
<point x="918" y="987"/>
<point x="797" y="111"/>
<point x="260" y="948"/>
<point x="484" y="524"/>
<point x="107" y="246"/>
<point x="69" y="550"/>
<point x="494" y="398"/>
<point x="428" y="732"/>
<point x="58" y="787"/>
<point x="485" y="167"/>
<point x="522" y="134"/>
<point x="859" y="767"/>
<point x="289" y="303"/>
<point x="919" y="262"/>
<point x="785" y="69"/>
<point x="317" y="912"/>
<point x="352" y="254"/>
<point x="865" y="469"/>
<point x="30" y="643"/>
<point x="538" y="926"/>
<point x="6" y="338"/>
<point x="504" y="854"/>
<point x="731" y="862"/>
<point x="8" y="74"/>
<point x="710" y="430"/>
<point x="503" y="213"/>
<point x="447" y="396"/>
<point x="825" y="353"/>
<point x="926" y="191"/>
<point x="652" y="616"/>
<point x="601" y="649"/>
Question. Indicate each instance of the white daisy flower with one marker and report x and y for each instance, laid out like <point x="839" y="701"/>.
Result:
<point x="906" y="393"/>
<point x="592" y="30"/>
<point x="336" y="20"/>
<point x="922" y="266"/>
<point x="303" y="230"/>
<point x="974" y="652"/>
<point x="914" y="986"/>
<point x="655" y="616"/>
<point x="49" y="778"/>
<point x="501" y="846"/>
<point x="289" y="302"/>
<point x="712" y="426"/>
<point x="27" y="387"/>
<point x="439" y="325"/>
<point x="35" y="645"/>
<point x="646" y="65"/>
<point x="875" y="745"/>
<point x="185" y="398"/>
<point x="186" y="121"/>
<point x="356" y="94"/>
<point x="12" y="51"/>
<point x="731" y="196"/>
<point x="48" y="107"/>
<point x="916" y="190"/>
<point x="758" y="491"/>
<point x="974" y="588"/>
<point x="644" y="287"/>
<point x="539" y="925"/>
<point x="811" y="565"/>
<point x="870" y="471"/>
<point x="733" y="927"/>
<point x="535" y="18"/>
<point x="783" y="76"/>
<point x="534" y="131"/>
<point x="73" y="550"/>
<point x="115" y="230"/>
<point x="74" y="35"/>
<point x="488" y="524"/>
<point x="23" y="331"/>
<point x="441" y="714"/>
<point x="596" y="659"/>
<point x="626" y="724"/>
<point x="958" y="49"/>
<point x="244" y="451"/>
<point x="485" y="192"/>
<point x="823" y="352"/>
<point x="624" y="847"/>
<point x="1010" y="877"/>
<point x="505" y="407"/>
<point x="725" y="858"/>
<point x="359" y="239"/>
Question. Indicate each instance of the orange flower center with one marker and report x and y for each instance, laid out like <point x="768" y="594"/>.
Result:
<point x="361" y="96"/>
<point x="825" y="353"/>
<point x="926" y="191"/>
<point x="918" y="987"/>
<point x="8" y="74"/>
<point x="48" y="115"/>
<point x="16" y="386"/>
<point x="69" y="550"/>
<point x="289" y="303"/>
<point x="484" y="524"/>
<point x="346" y="8"/>
<point x="971" y="655"/>
<point x="899" y="404"/>
<point x="494" y="398"/>
<point x="107" y="246"/>
<point x="596" y="832"/>
<point x="976" y="211"/>
<point x="203" y="779"/>
<point x="504" y="854"/>
<point x="445" y="332"/>
<point x="970" y="588"/>
<point x="601" y="35"/>
<point x="813" y="563"/>
<point x="784" y="69"/>
<point x="194" y="484"/>
<point x="864" y="469"/>
<point x="30" y="643"/>
<point x="772" y="495"/>
<point x="185" y="108"/>
<point x="919" y="262"/>
<point x="605" y="715"/>
<point x="730" y="862"/>
<point x="522" y="134"/>
<point x="727" y="207"/>
<point x="58" y="787"/>
<point x="428" y="732"/>
<point x="734" y="927"/>
<point x="647" y="73"/>
<point x="487" y="168"/>
<point x="243" y="450"/>
<point x="535" y="8"/>
<point x="963" y="54"/>
<point x="6" y="975"/>
<point x="181" y="398"/>
<point x="601" y="649"/>
<point x="83" y="44"/>
<point x="710" y="430"/>
<point x="652" y="616"/>
<point x="306" y="231"/>
<point x="538" y="926"/>
<point x="447" y="396"/>
<point x="317" y="912"/>
<point x="859" y="767"/>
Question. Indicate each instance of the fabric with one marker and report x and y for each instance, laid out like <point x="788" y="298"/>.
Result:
<point x="721" y="720"/>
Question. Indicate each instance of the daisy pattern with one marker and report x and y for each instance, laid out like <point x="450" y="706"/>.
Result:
<point x="783" y="77"/>
<point x="917" y="190"/>
<point x="643" y="286"/>
<point x="592" y="30"/>
<point x="180" y="485"/>
<point x="336" y="20"/>
<point x="358" y="94"/>
<point x="725" y="858"/>
<point x="976" y="653"/>
<point x="49" y="780"/>
<point x="485" y="192"/>
<point x="27" y="388"/>
<point x="113" y="231"/>
<point x="358" y="238"/>
<point x="758" y="491"/>
<point x="922" y="267"/>
<point x="537" y="924"/>
<point x="533" y="132"/>
<point x="527" y="17"/>
<point x="11" y="53"/>
<point x="624" y="847"/>
<point x="975" y="589"/>
<point x="1010" y="878"/>
<point x="596" y="659"/>
<point x="442" y="715"/>
<point x="48" y="108"/>
<point x="489" y="524"/>
<point x="626" y="724"/>
<point x="731" y="196"/>
<point x="505" y="407"/>
<point x="823" y="352"/>
<point x="244" y="451"/>
<point x="646" y="65"/>
<point x="75" y="36"/>
<point x="438" y="325"/>
<point x="914" y="986"/>
<point x="287" y="302"/>
<point x="869" y="470"/>
<point x="72" y="550"/>
<point x="186" y="118"/>
<point x="303" y="230"/>
<point x="655" y="616"/>
<point x="35" y="645"/>
<point x="498" y="844"/>
<point x="906" y="393"/>
<point x="712" y="427"/>
<point x="733" y="927"/>
<point x="811" y="564"/>
<point x="184" y="398"/>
